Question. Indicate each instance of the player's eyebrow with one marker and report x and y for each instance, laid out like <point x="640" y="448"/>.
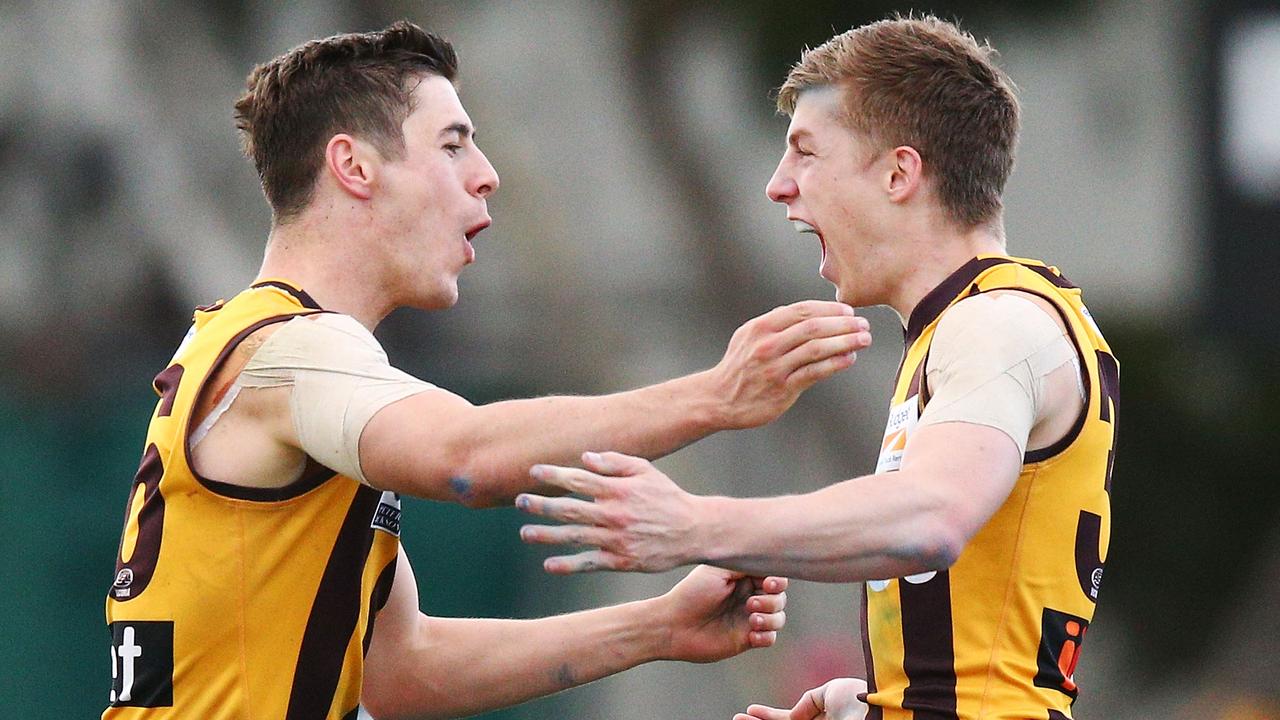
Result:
<point x="463" y="129"/>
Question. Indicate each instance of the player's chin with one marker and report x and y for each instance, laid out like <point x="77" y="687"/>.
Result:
<point x="442" y="296"/>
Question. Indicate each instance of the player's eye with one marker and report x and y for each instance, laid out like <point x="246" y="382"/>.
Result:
<point x="452" y="149"/>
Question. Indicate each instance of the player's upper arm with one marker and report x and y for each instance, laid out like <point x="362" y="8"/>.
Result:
<point x="338" y="378"/>
<point x="420" y="446"/>
<point x="987" y="370"/>
<point x="967" y="471"/>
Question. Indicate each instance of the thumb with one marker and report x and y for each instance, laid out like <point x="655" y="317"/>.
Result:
<point x="812" y="704"/>
<point x="762" y="712"/>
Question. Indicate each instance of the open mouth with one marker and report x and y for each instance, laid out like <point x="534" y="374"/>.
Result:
<point x="475" y="229"/>
<point x="802" y="226"/>
<point x="470" y="235"/>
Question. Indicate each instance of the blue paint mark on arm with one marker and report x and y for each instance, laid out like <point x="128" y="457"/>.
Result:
<point x="462" y="488"/>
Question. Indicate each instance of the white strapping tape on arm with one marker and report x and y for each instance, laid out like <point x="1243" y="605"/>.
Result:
<point x="340" y="379"/>
<point x="988" y="362"/>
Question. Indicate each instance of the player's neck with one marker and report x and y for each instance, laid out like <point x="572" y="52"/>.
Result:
<point x="935" y="256"/>
<point x="332" y="269"/>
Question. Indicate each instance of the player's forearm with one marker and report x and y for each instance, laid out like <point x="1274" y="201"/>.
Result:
<point x="505" y="439"/>
<point x="866" y="528"/>
<point x="462" y="666"/>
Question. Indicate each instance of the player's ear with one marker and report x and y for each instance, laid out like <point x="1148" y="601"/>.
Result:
<point x="352" y="164"/>
<point x="906" y="173"/>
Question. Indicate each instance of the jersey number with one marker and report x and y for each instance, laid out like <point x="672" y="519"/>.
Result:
<point x="1089" y="564"/>
<point x="144" y="515"/>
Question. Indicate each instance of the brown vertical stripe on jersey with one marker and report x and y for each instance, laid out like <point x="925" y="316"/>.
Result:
<point x="928" y="648"/>
<point x="1057" y="279"/>
<point x="146" y="548"/>
<point x="1089" y="565"/>
<point x="378" y="599"/>
<point x="1109" y="376"/>
<point x="874" y="712"/>
<point x="166" y="383"/>
<point x="334" y="613"/>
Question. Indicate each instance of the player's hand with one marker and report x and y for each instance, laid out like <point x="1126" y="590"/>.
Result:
<point x="639" y="520"/>
<point x="773" y="358"/>
<point x="715" y="614"/>
<point x="837" y="700"/>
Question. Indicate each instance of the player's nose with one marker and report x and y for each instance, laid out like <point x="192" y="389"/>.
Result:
<point x="781" y="188"/>
<point x="485" y="180"/>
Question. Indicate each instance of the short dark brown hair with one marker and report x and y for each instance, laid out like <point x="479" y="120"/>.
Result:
<point x="923" y="82"/>
<point x="358" y="83"/>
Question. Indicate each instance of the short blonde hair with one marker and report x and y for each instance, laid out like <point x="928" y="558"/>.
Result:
<point x="923" y="82"/>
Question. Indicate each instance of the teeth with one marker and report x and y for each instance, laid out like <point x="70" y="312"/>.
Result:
<point x="804" y="227"/>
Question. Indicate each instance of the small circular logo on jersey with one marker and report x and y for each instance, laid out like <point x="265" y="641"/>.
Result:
<point x="1096" y="578"/>
<point x="124" y="578"/>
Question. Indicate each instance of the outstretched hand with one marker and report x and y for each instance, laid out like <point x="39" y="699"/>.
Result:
<point x="773" y="358"/>
<point x="836" y="700"/>
<point x="637" y="518"/>
<point x="715" y="614"/>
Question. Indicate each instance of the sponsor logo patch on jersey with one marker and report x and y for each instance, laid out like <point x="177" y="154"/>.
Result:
<point x="387" y="516"/>
<point x="120" y="588"/>
<point x="902" y="420"/>
<point x="142" y="663"/>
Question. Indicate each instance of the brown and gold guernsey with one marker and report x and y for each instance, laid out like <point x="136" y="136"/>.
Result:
<point x="233" y="602"/>
<point x="998" y="634"/>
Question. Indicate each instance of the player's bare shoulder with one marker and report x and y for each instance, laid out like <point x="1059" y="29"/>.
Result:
<point x="244" y="435"/>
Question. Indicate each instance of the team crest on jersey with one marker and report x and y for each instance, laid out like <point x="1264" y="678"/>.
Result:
<point x="123" y="580"/>
<point x="902" y="420"/>
<point x="387" y="516"/>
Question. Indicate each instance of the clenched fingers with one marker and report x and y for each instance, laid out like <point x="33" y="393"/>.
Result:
<point x="767" y="603"/>
<point x="770" y="584"/>
<point x="762" y="639"/>
<point x="765" y="622"/>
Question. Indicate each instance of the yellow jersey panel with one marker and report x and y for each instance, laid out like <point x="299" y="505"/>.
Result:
<point x="998" y="634"/>
<point x="236" y="602"/>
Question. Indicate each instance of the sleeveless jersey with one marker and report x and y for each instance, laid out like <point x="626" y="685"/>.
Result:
<point x="235" y="602"/>
<point x="998" y="634"/>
